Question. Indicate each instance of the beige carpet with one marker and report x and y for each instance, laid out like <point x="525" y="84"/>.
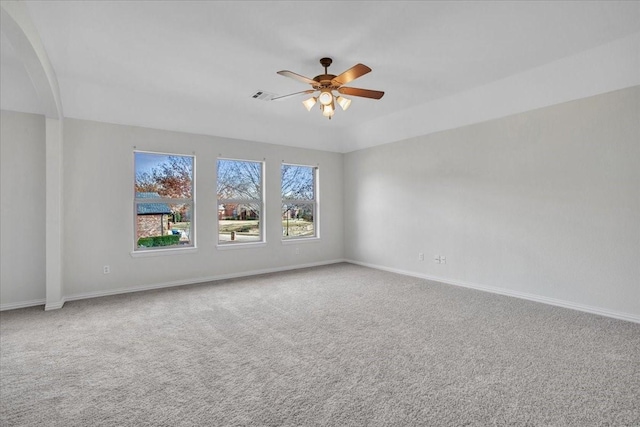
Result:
<point x="340" y="345"/>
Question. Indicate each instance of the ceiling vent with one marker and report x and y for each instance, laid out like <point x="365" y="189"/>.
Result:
<point x="263" y="96"/>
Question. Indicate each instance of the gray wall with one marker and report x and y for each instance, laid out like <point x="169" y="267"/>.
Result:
<point x="98" y="208"/>
<point x="544" y="203"/>
<point x="22" y="207"/>
<point x="541" y="204"/>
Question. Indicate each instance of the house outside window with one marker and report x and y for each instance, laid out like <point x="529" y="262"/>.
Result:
<point x="299" y="185"/>
<point x="240" y="201"/>
<point x="163" y="201"/>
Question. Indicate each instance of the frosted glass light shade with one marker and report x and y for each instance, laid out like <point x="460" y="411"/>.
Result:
<point x="309" y="103"/>
<point x="328" y="110"/>
<point x="325" y="98"/>
<point x="344" y="102"/>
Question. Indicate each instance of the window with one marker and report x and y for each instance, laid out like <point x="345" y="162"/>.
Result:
<point x="240" y="198"/>
<point x="299" y="201"/>
<point x="163" y="201"/>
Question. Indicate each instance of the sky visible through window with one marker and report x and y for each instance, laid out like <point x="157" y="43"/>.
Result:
<point x="169" y="175"/>
<point x="163" y="223"/>
<point x="146" y="162"/>
<point x="298" y="182"/>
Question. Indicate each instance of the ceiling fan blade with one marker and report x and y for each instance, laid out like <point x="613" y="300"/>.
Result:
<point x="298" y="77"/>
<point x="291" y="95"/>
<point x="365" y="93"/>
<point x="351" y="74"/>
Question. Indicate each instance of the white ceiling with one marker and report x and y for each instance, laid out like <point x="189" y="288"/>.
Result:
<point x="193" y="65"/>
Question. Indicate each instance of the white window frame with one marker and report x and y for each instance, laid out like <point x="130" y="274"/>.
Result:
<point x="315" y="205"/>
<point x="191" y="202"/>
<point x="242" y="201"/>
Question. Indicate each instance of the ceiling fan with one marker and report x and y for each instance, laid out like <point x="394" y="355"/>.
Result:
<point x="327" y="83"/>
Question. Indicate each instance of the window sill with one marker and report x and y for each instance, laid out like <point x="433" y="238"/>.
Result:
<point x="228" y="246"/>
<point x="298" y="240"/>
<point x="163" y="252"/>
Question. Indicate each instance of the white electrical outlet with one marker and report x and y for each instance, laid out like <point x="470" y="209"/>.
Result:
<point x="420" y="256"/>
<point x="106" y="269"/>
<point x="443" y="259"/>
<point x="436" y="259"/>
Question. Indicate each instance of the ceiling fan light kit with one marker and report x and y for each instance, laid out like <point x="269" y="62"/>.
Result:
<point x="327" y="83"/>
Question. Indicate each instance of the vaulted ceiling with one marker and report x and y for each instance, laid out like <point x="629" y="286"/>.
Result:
<point x="193" y="66"/>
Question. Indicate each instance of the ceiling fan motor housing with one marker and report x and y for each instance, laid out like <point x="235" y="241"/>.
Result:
<point x="325" y="79"/>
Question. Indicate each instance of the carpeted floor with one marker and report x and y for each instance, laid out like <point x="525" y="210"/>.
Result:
<point x="339" y="345"/>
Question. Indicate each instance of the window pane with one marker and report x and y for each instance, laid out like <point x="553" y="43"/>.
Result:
<point x="161" y="225"/>
<point x="298" y="220"/>
<point x="298" y="182"/>
<point x="163" y="175"/>
<point x="239" y="192"/>
<point x="239" y="179"/>
<point x="158" y="179"/>
<point x="239" y="223"/>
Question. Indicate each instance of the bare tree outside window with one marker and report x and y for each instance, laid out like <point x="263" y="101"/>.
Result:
<point x="163" y="200"/>
<point x="299" y="201"/>
<point x="239" y="195"/>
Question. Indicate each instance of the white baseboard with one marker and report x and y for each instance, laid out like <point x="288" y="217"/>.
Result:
<point x="531" y="297"/>
<point x="194" y="281"/>
<point x="54" y="305"/>
<point x="33" y="303"/>
<point x="22" y="304"/>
